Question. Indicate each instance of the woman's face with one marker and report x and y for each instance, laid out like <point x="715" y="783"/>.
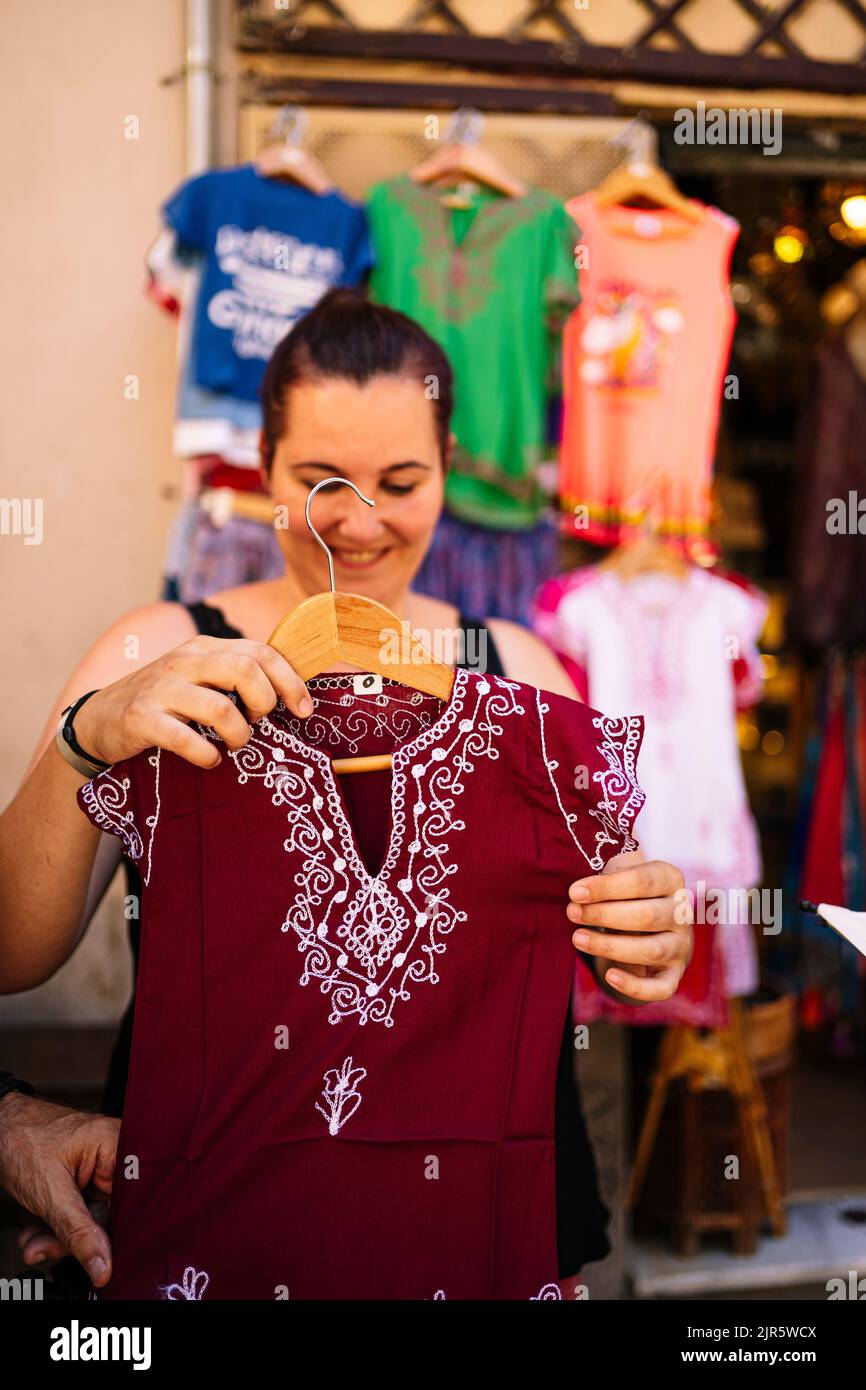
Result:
<point x="382" y="437"/>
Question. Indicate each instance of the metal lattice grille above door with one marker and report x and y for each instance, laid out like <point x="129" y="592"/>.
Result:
<point x="807" y="44"/>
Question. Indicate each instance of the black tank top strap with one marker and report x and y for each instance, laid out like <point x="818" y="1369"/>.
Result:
<point x="480" y="652"/>
<point x="210" y="621"/>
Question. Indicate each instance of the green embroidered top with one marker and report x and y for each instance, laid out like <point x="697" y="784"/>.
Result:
<point x="494" y="284"/>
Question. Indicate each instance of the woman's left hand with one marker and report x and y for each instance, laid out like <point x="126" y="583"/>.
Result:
<point x="645" y="905"/>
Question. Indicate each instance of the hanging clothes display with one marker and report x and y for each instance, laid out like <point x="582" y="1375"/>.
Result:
<point x="241" y="258"/>
<point x="491" y="572"/>
<point x="829" y="574"/>
<point x="213" y="423"/>
<point x="828" y="850"/>
<point x="337" y="1033"/>
<point x="270" y="250"/>
<point x="671" y="644"/>
<point x="643" y="363"/>
<point x="493" y="283"/>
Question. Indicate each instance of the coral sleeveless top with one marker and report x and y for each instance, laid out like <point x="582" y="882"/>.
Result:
<point x="644" y="357"/>
<point x="342" y="1082"/>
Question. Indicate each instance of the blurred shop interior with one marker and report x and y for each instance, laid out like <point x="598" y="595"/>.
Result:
<point x="679" y="497"/>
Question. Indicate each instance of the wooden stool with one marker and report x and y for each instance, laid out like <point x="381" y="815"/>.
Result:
<point x="719" y="1060"/>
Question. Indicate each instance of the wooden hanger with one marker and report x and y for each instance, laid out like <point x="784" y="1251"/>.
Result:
<point x="285" y="159"/>
<point x="647" y="554"/>
<point x="630" y="182"/>
<point x="462" y="157"/>
<point x="335" y="627"/>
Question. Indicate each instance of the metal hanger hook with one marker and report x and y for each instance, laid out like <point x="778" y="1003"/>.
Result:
<point x="325" y="483"/>
<point x="290" y="125"/>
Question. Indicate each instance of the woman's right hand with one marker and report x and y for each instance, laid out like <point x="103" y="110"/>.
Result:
<point x="153" y="706"/>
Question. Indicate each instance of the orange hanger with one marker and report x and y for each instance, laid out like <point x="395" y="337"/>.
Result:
<point x="285" y="159"/>
<point x="634" y="181"/>
<point x="463" y="158"/>
<point x="335" y="627"/>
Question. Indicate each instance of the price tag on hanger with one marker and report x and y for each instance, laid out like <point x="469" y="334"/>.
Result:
<point x="368" y="683"/>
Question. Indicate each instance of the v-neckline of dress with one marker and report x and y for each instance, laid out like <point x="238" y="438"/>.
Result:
<point x="402" y="753"/>
<point x="429" y="198"/>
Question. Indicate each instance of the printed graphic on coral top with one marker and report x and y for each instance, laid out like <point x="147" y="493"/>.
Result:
<point x="626" y="338"/>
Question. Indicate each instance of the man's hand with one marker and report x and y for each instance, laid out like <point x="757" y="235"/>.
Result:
<point x="643" y="903"/>
<point x="51" y="1158"/>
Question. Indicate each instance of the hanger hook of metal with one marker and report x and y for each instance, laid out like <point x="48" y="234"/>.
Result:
<point x="325" y="483"/>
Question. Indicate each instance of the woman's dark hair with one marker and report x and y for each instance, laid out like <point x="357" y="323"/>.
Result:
<point x="347" y="335"/>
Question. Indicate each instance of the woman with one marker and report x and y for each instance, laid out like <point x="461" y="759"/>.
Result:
<point x="361" y="392"/>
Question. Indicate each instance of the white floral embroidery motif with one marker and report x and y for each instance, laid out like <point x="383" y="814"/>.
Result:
<point x="192" y="1288"/>
<point x="106" y="797"/>
<point x="340" y="1094"/>
<point x="366" y="939"/>
<point x="621" y="796"/>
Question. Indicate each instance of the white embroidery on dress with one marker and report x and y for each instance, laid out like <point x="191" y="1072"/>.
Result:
<point x="621" y="796"/>
<point x="545" y="1292"/>
<point x="340" y="1094"/>
<point x="345" y="720"/>
<point x="365" y="938"/>
<point x="106" y="796"/>
<point x="193" y="1286"/>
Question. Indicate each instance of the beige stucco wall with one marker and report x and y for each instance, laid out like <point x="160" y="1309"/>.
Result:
<point x="80" y="208"/>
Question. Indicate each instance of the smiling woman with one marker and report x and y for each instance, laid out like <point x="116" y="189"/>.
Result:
<point x="359" y="391"/>
<point x="345" y="394"/>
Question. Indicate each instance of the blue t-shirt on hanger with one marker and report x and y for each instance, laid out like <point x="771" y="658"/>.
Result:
<point x="272" y="249"/>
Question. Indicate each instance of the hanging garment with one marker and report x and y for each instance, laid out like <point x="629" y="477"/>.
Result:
<point x="362" y="1066"/>
<point x="483" y="571"/>
<point x="271" y="249"/>
<point x="643" y="363"/>
<point x="582" y="1217"/>
<point x="206" y="422"/>
<point x="746" y="667"/>
<point x="670" y="644"/>
<point x="493" y="283"/>
<point x="829" y="864"/>
<point x="829" y="569"/>
<point x="241" y="550"/>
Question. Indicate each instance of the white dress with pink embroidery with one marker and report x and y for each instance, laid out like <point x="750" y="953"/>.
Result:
<point x="668" y="646"/>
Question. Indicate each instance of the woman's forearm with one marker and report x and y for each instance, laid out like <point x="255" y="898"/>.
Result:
<point x="47" y="852"/>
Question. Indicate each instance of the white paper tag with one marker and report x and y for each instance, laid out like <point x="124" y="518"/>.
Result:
<point x="367" y="684"/>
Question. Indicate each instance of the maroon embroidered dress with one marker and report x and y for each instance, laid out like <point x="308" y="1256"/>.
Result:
<point x="342" y="1082"/>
